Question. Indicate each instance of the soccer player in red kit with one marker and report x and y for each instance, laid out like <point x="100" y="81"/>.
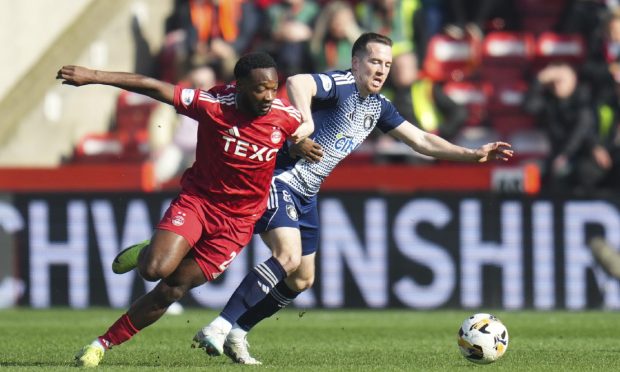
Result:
<point x="241" y="127"/>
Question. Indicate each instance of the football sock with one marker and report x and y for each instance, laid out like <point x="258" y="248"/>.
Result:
<point x="121" y="331"/>
<point x="221" y="323"/>
<point x="280" y="296"/>
<point x="98" y="344"/>
<point x="237" y="333"/>
<point x="253" y="288"/>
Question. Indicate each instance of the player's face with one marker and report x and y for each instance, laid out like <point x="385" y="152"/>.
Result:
<point x="371" y="69"/>
<point x="259" y="90"/>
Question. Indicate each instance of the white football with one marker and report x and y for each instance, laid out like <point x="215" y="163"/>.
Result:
<point x="482" y="338"/>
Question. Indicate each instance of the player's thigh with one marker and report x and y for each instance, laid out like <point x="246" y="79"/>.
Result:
<point x="165" y="252"/>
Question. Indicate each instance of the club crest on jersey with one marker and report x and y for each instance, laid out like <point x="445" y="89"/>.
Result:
<point x="292" y="212"/>
<point x="179" y="219"/>
<point x="187" y="96"/>
<point x="276" y="136"/>
<point x="368" y="120"/>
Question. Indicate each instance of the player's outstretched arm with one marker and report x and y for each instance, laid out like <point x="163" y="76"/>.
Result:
<point x="300" y="89"/>
<point x="437" y="147"/>
<point x="78" y="76"/>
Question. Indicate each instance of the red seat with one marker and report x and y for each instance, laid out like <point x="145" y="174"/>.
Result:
<point x="474" y="96"/>
<point x="112" y="147"/>
<point x="506" y="55"/>
<point x="509" y="124"/>
<point x="556" y="47"/>
<point x="448" y="59"/>
<point x="133" y="111"/>
<point x="540" y="16"/>
<point x="507" y="97"/>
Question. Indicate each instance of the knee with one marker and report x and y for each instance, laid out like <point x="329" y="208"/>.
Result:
<point x="290" y="261"/>
<point x="152" y="271"/>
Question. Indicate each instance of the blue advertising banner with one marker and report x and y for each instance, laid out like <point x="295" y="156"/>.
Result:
<point x="419" y="251"/>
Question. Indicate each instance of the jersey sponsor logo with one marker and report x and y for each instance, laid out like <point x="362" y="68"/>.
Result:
<point x="276" y="136"/>
<point x="344" y="143"/>
<point x="292" y="212"/>
<point x="187" y="96"/>
<point x="179" y="219"/>
<point x="249" y="150"/>
<point x="368" y="120"/>
<point x="326" y="82"/>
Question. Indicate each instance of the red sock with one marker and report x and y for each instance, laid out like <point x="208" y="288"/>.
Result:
<point x="121" y="331"/>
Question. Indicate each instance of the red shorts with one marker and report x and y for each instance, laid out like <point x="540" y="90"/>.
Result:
<point x="216" y="238"/>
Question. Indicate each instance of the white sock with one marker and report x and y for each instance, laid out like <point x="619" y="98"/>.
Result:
<point x="98" y="344"/>
<point x="237" y="332"/>
<point x="221" y="323"/>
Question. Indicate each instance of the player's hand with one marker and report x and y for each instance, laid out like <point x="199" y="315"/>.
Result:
<point x="307" y="149"/>
<point x="495" y="151"/>
<point x="76" y="75"/>
<point x="305" y="129"/>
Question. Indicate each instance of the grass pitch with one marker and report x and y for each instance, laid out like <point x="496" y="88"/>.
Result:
<point x="317" y="340"/>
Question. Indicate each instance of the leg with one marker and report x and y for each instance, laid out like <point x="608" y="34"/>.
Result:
<point x="162" y="256"/>
<point x="606" y="256"/>
<point x="285" y="243"/>
<point x="236" y="345"/>
<point x="283" y="294"/>
<point x="155" y="258"/>
<point x="144" y="311"/>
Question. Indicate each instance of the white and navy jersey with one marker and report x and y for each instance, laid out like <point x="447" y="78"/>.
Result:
<point x="342" y="120"/>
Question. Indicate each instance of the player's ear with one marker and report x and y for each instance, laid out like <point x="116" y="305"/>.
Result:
<point x="355" y="60"/>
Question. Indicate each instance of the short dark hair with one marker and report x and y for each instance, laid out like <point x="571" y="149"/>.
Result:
<point x="252" y="61"/>
<point x="368" y="37"/>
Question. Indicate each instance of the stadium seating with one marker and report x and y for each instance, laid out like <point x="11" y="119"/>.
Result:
<point x="540" y="16"/>
<point x="449" y="59"/>
<point x="128" y="141"/>
<point x="555" y="47"/>
<point x="506" y="56"/>
<point x="473" y="95"/>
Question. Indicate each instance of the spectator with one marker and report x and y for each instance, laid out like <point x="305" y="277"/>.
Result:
<point x="173" y="150"/>
<point x="334" y="33"/>
<point x="565" y="111"/>
<point x="393" y="18"/>
<point x="422" y="102"/>
<point x="212" y="32"/>
<point x="467" y="17"/>
<point x="291" y="23"/>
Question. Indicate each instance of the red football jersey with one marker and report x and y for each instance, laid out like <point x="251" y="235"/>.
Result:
<point x="235" y="153"/>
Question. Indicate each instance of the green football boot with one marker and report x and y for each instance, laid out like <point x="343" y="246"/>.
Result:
<point x="127" y="259"/>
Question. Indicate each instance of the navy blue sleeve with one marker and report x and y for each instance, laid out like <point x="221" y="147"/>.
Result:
<point x="325" y="88"/>
<point x="390" y="117"/>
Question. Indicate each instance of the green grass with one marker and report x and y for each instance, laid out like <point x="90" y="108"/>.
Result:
<point x="317" y="340"/>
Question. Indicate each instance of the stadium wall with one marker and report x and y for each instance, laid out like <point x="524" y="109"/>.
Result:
<point x="420" y="251"/>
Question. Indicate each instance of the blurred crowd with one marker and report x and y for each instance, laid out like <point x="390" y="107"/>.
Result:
<point x="544" y="75"/>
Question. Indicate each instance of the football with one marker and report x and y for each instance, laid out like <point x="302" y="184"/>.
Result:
<point x="482" y="338"/>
